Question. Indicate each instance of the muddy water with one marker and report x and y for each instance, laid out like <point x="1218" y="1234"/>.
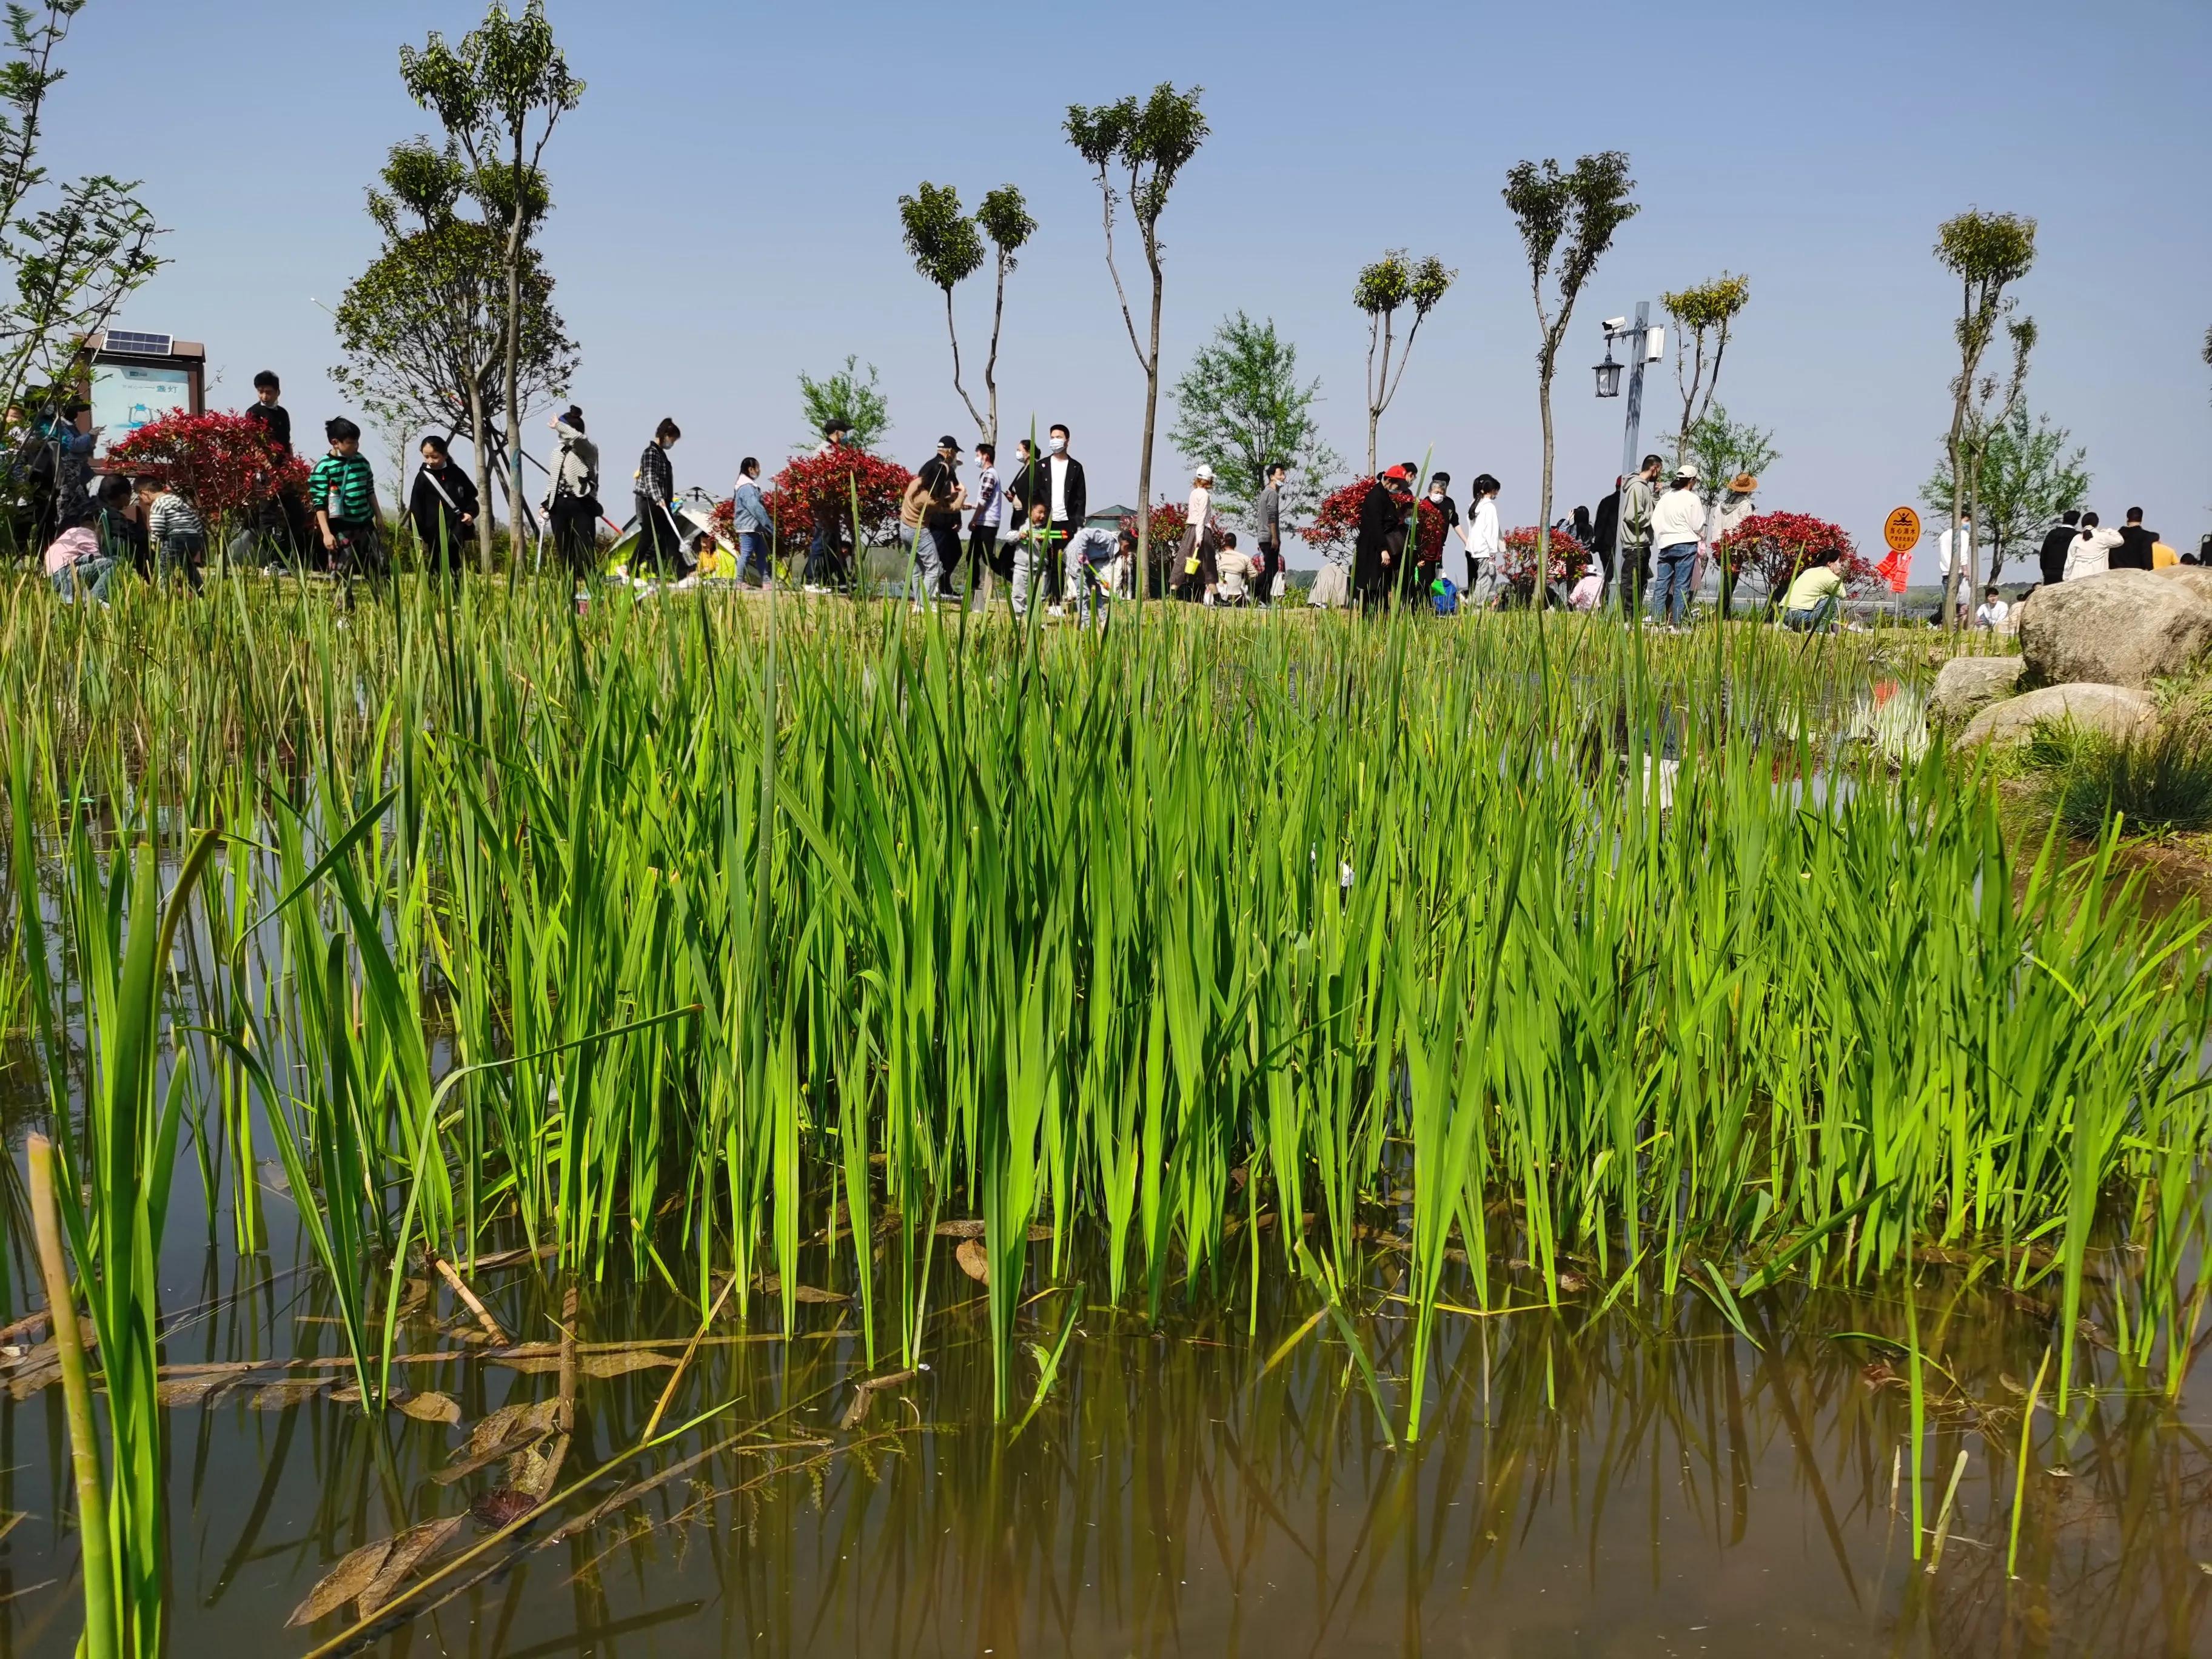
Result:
<point x="1648" y="1482"/>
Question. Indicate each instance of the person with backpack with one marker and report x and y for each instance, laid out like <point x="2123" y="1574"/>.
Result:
<point x="443" y="506"/>
<point x="573" y="507"/>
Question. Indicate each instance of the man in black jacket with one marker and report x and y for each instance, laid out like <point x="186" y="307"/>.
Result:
<point x="2055" y="541"/>
<point x="1057" y="479"/>
<point x="2134" y="552"/>
<point x="1381" y="538"/>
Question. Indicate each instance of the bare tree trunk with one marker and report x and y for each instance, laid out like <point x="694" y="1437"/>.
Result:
<point x="1544" y="499"/>
<point x="1374" y="394"/>
<point x="991" y="362"/>
<point x="513" y="359"/>
<point x="954" y="333"/>
<point x="1152" y="418"/>
<point x="480" y="445"/>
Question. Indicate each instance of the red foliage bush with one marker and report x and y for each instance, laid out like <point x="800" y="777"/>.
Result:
<point x="1335" y="525"/>
<point x="1771" y="548"/>
<point x="1570" y="558"/>
<point x="825" y="485"/>
<point x="1168" y="521"/>
<point x="221" y="464"/>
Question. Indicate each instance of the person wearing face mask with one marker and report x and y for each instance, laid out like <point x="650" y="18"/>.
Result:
<point x="1269" y="514"/>
<point x="988" y="518"/>
<point x="659" y="546"/>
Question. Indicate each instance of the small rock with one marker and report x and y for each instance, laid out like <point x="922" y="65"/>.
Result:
<point x="1966" y="685"/>
<point x="2112" y="709"/>
<point x="2120" y="627"/>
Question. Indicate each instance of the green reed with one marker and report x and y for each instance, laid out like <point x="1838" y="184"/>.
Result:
<point x="1607" y="951"/>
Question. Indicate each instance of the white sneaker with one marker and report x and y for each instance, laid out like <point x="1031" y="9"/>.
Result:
<point x="815" y="587"/>
<point x="1056" y="611"/>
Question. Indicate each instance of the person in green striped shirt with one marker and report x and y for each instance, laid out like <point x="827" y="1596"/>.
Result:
<point x="344" y="490"/>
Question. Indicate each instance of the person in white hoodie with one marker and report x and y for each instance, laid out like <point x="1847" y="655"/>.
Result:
<point x="1479" y="534"/>
<point x="1678" y="524"/>
<point x="2091" y="552"/>
<point x="574" y="504"/>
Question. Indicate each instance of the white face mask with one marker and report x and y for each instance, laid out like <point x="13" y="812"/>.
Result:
<point x="1435" y="494"/>
<point x="1056" y="445"/>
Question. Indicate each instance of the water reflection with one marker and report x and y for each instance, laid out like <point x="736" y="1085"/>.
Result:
<point x="1638" y="1485"/>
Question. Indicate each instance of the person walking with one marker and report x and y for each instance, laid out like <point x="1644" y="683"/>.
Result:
<point x="827" y="512"/>
<point x="1638" y="504"/>
<point x="1269" y="513"/>
<point x="749" y="522"/>
<point x="1677" y="523"/>
<point x="1061" y="485"/>
<point x="2056" y="541"/>
<point x="930" y="516"/>
<point x="1194" y="568"/>
<point x="659" y="545"/>
<point x="280" y="522"/>
<point x="2134" y="552"/>
<point x="1485" y="545"/>
<point x="573" y="506"/>
<point x="1735" y="506"/>
<point x="1379" y="539"/>
<point x="443" y="506"/>
<point x="1959" y="546"/>
<point x="2090" y="552"/>
<point x="342" y="487"/>
<point x="986" y="519"/>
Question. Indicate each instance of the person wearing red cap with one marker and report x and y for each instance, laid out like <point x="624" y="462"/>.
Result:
<point x="1379" y="544"/>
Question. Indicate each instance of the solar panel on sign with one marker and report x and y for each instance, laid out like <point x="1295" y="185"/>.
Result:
<point x="143" y="345"/>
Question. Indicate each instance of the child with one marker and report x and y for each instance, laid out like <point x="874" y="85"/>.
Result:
<point x="174" y="535"/>
<point x="343" y="491"/>
<point x="1233" y="571"/>
<point x="78" y="565"/>
<point x="1033" y="546"/>
<point x="1993" y="611"/>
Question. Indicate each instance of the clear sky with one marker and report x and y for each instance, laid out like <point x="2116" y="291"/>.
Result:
<point x="726" y="212"/>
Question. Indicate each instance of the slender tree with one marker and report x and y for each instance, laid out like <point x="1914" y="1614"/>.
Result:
<point x="942" y="240"/>
<point x="1567" y="222"/>
<point x="1138" y="150"/>
<point x="1704" y="316"/>
<point x="1241" y="406"/>
<point x="1385" y="288"/>
<point x="499" y="96"/>
<point x="66" y="266"/>
<point x="1987" y="253"/>
<point x="2024" y="476"/>
<point x="1005" y="220"/>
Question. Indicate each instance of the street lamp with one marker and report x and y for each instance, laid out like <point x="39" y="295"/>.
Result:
<point x="1608" y="373"/>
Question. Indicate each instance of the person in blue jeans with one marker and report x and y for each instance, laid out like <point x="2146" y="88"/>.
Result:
<point x="749" y="519"/>
<point x="1677" y="522"/>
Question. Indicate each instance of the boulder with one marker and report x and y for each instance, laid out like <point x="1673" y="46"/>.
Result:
<point x="1966" y="685"/>
<point x="2119" y="627"/>
<point x="2196" y="578"/>
<point x="2115" y="710"/>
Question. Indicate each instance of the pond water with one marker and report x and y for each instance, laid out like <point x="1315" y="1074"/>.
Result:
<point x="1644" y="1480"/>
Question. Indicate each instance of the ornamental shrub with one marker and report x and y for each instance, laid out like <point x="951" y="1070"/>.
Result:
<point x="1771" y="548"/>
<point x="1570" y="558"/>
<point x="221" y="464"/>
<point x="1335" y="526"/>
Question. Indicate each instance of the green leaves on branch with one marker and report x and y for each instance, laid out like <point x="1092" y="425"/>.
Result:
<point x="845" y="397"/>
<point x="1703" y="315"/>
<point x="1241" y="406"/>
<point x="1392" y="283"/>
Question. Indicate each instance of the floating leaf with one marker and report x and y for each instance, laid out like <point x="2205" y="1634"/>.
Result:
<point x="772" y="1284"/>
<point x="190" y="1390"/>
<point x="960" y="1230"/>
<point x="283" y="1396"/>
<point x="342" y="1583"/>
<point x="974" y="1261"/>
<point x="622" y="1362"/>
<point x="529" y="1419"/>
<point x="407" y="1550"/>
<point x="431" y="1407"/>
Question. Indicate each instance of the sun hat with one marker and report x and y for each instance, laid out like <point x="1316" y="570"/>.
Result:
<point x="1743" y="483"/>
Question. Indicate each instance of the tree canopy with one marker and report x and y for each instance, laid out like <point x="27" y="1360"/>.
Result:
<point x="1241" y="406"/>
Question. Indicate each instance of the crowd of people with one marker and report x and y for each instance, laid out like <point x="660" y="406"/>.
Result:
<point x="1024" y="529"/>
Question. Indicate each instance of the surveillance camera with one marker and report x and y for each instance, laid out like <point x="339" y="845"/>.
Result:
<point x="1614" y="325"/>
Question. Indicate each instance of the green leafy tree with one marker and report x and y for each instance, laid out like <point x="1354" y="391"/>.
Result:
<point x="1388" y="286"/>
<point x="1567" y="220"/>
<point x="499" y="95"/>
<point x="942" y="240"/>
<point x="1137" y="151"/>
<point x="1005" y="220"/>
<point x="1720" y="446"/>
<point x="1987" y="253"/>
<point x="68" y="264"/>
<point x="1241" y="406"/>
<point x="1704" y="317"/>
<point x="2026" y="475"/>
<point x="423" y="329"/>
<point x="844" y="397"/>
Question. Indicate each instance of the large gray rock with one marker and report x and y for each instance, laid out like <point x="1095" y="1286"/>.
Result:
<point x="2194" y="577"/>
<point x="2114" y="710"/>
<point x="1966" y="685"/>
<point x="2121" y="628"/>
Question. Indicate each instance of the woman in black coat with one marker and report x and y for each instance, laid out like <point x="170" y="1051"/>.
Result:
<point x="443" y="505"/>
<point x="1379" y="542"/>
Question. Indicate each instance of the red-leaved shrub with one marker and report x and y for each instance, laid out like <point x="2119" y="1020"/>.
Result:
<point x="221" y="464"/>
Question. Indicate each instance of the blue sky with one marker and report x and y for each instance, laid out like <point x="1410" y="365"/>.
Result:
<point x="726" y="212"/>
